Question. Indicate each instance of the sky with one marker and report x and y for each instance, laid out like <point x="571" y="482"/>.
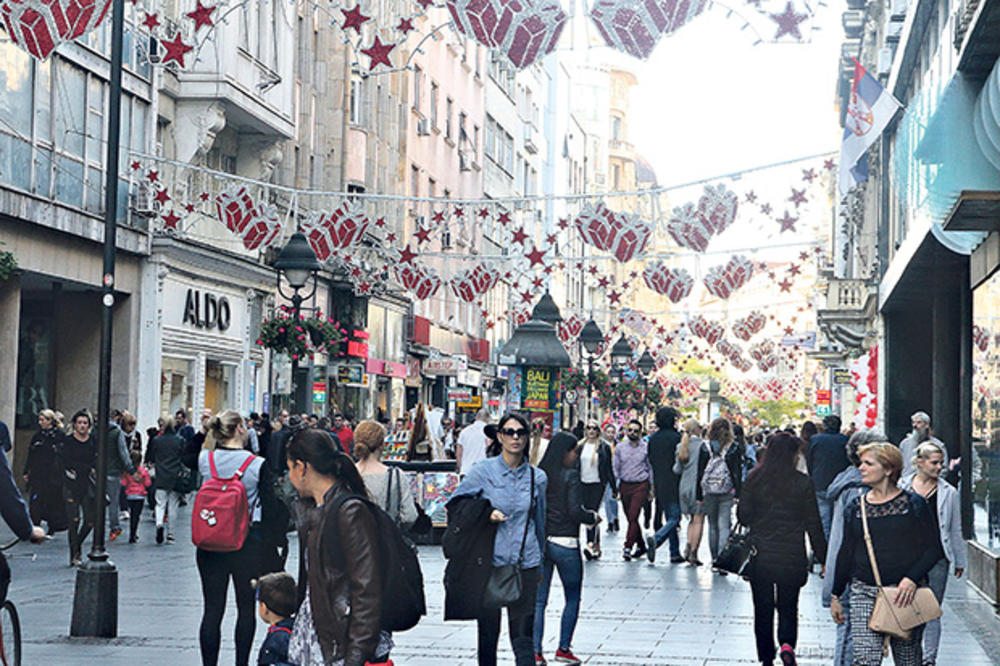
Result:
<point x="708" y="102"/>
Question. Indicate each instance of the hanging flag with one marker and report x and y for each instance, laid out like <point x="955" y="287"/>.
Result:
<point x="870" y="109"/>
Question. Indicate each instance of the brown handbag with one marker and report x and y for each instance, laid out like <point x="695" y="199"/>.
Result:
<point x="888" y="618"/>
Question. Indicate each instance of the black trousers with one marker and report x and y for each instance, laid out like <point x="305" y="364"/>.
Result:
<point x="593" y="493"/>
<point x="134" y="514"/>
<point x="520" y="626"/>
<point x="216" y="570"/>
<point x="46" y="503"/>
<point x="80" y="511"/>
<point x="768" y="597"/>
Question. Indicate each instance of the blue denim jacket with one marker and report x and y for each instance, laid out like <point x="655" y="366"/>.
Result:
<point x="507" y="490"/>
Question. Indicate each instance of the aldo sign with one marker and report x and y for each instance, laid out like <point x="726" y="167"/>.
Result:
<point x="206" y="310"/>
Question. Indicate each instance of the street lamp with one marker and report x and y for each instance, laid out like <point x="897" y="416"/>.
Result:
<point x="621" y="353"/>
<point x="673" y="395"/>
<point x="646" y="365"/>
<point x="296" y="263"/>
<point x="591" y="338"/>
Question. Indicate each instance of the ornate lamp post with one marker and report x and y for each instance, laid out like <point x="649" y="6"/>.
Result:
<point x="591" y="338"/>
<point x="621" y="354"/>
<point x="296" y="263"/>
<point x="646" y="365"/>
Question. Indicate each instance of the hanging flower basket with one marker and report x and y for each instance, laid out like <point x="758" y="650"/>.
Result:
<point x="283" y="334"/>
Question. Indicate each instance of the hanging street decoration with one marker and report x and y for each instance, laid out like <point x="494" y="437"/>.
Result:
<point x="256" y="224"/>
<point x="419" y="279"/>
<point x="520" y="30"/>
<point x="674" y="283"/>
<point x="470" y="284"/>
<point x="341" y="229"/>
<point x="636" y="27"/>
<point x="39" y="26"/>
<point x="624" y="235"/>
<point x="746" y="327"/>
<point x="722" y="281"/>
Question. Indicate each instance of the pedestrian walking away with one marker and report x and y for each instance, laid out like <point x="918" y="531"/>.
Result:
<point x="827" y="457"/>
<point x="340" y="593"/>
<point x="687" y="465"/>
<point x="778" y="505"/>
<point x="388" y="487"/>
<point x="943" y="504"/>
<point x="136" y="486"/>
<point x="43" y="474"/>
<point x="117" y="461"/>
<point x="471" y="447"/>
<point x="565" y="512"/>
<point x="906" y="545"/>
<point x="164" y="456"/>
<point x="505" y="496"/>
<point x="78" y="455"/>
<point x="666" y="484"/>
<point x="632" y="469"/>
<point x="596" y="475"/>
<point x="720" y="475"/>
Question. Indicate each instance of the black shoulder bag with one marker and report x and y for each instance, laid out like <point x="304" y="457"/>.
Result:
<point x="505" y="585"/>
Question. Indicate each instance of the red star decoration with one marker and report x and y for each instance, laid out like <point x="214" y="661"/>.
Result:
<point x="536" y="256"/>
<point x="551" y="239"/>
<point x="405" y="25"/>
<point x="355" y="272"/>
<point x="765" y="208"/>
<point x="379" y="53"/>
<point x="391" y="237"/>
<point x="406" y="255"/>
<point x="603" y="282"/>
<point x="425" y="3"/>
<point x="547" y="270"/>
<point x="817" y="250"/>
<point x="438" y="216"/>
<point x="561" y="265"/>
<point x="152" y="21"/>
<point x="483" y="213"/>
<point x="353" y="18"/>
<point x="507" y="275"/>
<point x="504" y="218"/>
<point x="484" y="313"/>
<point x="380" y="222"/>
<point x="808" y="175"/>
<point x="633" y="275"/>
<point x="202" y="16"/>
<point x="794" y="269"/>
<point x="787" y="222"/>
<point x="153" y="175"/>
<point x="563" y="222"/>
<point x="525" y="296"/>
<point x="490" y="324"/>
<point x="763" y="266"/>
<point x="803" y="255"/>
<point x="161" y="197"/>
<point x="593" y="269"/>
<point x="668" y="340"/>
<point x="364" y="288"/>
<point x="614" y="298"/>
<point x="519" y="236"/>
<point x="786" y="285"/>
<point x="422" y="235"/>
<point x="798" y="197"/>
<point x="789" y="330"/>
<point x="751" y="196"/>
<point x="771" y="275"/>
<point x="189" y="208"/>
<point x="459" y="212"/>
<point x="170" y="220"/>
<point x="203" y="196"/>
<point x="537" y="283"/>
<point x="176" y="49"/>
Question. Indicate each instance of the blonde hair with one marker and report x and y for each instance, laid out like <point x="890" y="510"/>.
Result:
<point x="127" y="418"/>
<point x="52" y="417"/>
<point x="925" y="450"/>
<point x="222" y="428"/>
<point x="168" y="421"/>
<point x="689" y="427"/>
<point x="369" y="437"/>
<point x="887" y="455"/>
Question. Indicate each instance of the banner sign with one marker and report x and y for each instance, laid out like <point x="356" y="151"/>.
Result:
<point x="539" y="388"/>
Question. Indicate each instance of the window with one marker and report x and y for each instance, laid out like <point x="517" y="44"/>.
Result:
<point x="356" y="103"/>
<point x="449" y="108"/>
<point x="417" y="74"/>
<point x="491" y="134"/>
<point x="616" y="176"/>
<point x="462" y="136"/>
<point x="414" y="181"/>
<point x="616" y="128"/>
<point x="475" y="142"/>
<point x="434" y="105"/>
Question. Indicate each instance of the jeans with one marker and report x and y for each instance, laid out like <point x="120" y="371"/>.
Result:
<point x="610" y="505"/>
<point x="520" y="624"/>
<point x="937" y="578"/>
<point x="768" y="597"/>
<point x="114" y="495"/>
<point x="168" y="501"/>
<point x="719" y="512"/>
<point x="672" y="511"/>
<point x="825" y="511"/>
<point x="634" y="497"/>
<point x="570" y="566"/>
<point x="843" y="651"/>
<point x="216" y="569"/>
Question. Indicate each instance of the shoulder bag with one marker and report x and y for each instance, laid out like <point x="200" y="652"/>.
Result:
<point x="505" y="584"/>
<point x="888" y="618"/>
<point x="738" y="553"/>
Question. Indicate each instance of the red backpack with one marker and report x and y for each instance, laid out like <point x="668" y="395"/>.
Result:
<point x="221" y="517"/>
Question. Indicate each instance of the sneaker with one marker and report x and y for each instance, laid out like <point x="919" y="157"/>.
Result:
<point x="75" y="561"/>
<point x="540" y="660"/>
<point x="170" y="538"/>
<point x="651" y="548"/>
<point x="134" y="539"/>
<point x="115" y="533"/>
<point x="677" y="559"/>
<point x="588" y="552"/>
<point x="566" y="657"/>
<point x="639" y="551"/>
<point x="159" y="534"/>
<point x="626" y="554"/>
<point x="787" y="655"/>
<point x="123" y="516"/>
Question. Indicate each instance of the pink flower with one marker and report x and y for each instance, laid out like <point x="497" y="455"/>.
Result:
<point x="281" y="330"/>
<point x="298" y="328"/>
<point x="295" y="356"/>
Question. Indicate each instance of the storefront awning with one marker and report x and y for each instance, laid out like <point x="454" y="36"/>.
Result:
<point x="975" y="210"/>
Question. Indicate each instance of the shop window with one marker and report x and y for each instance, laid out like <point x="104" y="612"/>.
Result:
<point x="34" y="370"/>
<point x="176" y="385"/>
<point x="219" y="387"/>
<point x="986" y="412"/>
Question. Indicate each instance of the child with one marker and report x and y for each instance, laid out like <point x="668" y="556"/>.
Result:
<point x="136" y="487"/>
<point x="277" y="595"/>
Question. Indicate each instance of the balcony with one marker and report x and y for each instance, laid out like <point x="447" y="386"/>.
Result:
<point x="621" y="148"/>
<point x="529" y="139"/>
<point x="848" y="315"/>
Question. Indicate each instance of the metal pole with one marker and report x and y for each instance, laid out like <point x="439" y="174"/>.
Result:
<point x="590" y="384"/>
<point x="296" y="309"/>
<point x="95" y="599"/>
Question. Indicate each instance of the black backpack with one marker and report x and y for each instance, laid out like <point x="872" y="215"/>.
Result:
<point x="402" y="582"/>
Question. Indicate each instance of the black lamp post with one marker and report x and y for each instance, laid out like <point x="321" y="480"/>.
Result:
<point x="673" y="395"/>
<point x="621" y="353"/>
<point x="591" y="338"/>
<point x="646" y="365"/>
<point x="296" y="263"/>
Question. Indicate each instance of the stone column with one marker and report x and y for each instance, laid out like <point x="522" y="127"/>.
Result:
<point x="10" y="320"/>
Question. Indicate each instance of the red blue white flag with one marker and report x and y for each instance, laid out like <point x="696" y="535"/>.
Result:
<point x="869" y="111"/>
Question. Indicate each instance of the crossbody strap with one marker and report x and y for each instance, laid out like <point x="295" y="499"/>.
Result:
<point x="527" y="520"/>
<point x="868" y="541"/>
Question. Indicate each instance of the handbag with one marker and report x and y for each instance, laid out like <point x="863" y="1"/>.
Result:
<point x="505" y="584"/>
<point x="738" y="553"/>
<point x="888" y="618"/>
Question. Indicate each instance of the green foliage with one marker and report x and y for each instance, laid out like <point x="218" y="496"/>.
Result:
<point x="8" y="264"/>
<point x="777" y="412"/>
<point x="627" y="393"/>
<point x="282" y="334"/>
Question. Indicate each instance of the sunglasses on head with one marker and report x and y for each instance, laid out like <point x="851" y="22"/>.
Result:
<point x="515" y="432"/>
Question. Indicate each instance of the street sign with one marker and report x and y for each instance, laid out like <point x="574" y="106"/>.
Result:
<point x="352" y="375"/>
<point x="823" y="397"/>
<point x="841" y="376"/>
<point x="459" y="394"/>
<point x="474" y="403"/>
<point x="823" y="410"/>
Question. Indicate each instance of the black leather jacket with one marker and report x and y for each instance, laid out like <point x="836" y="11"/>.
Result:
<point x="564" y="510"/>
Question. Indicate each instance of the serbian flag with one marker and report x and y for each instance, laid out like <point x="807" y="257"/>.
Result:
<point x="870" y="109"/>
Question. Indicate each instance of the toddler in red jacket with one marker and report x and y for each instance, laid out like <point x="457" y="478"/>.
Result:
<point x="136" y="489"/>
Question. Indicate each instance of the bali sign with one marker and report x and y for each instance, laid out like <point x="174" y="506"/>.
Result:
<point x="538" y="390"/>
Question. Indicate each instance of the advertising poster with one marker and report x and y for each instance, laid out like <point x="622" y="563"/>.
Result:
<point x="539" y="388"/>
<point x="438" y="489"/>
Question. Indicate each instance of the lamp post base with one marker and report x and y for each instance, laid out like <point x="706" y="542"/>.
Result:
<point x="95" y="601"/>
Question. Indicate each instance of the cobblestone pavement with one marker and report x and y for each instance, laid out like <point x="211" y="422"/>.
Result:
<point x="632" y="613"/>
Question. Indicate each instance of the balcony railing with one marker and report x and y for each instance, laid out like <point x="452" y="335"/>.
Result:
<point x="847" y="295"/>
<point x="621" y="146"/>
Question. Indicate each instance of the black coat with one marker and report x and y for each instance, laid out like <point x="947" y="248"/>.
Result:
<point x="166" y="453"/>
<point x="468" y="546"/>
<point x="662" y="451"/>
<point x="564" y="510"/>
<point x="779" y="515"/>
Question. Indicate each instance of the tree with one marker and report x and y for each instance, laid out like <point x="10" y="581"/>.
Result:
<point x="777" y="412"/>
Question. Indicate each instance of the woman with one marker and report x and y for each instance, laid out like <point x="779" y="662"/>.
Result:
<point x="907" y="545"/>
<point x="43" y="473"/>
<point x="388" y="486"/>
<point x="538" y="442"/>
<point x="945" y="510"/>
<point x="423" y="446"/>
<point x="77" y="455"/>
<point x="688" y="455"/>
<point x="805" y="435"/>
<point x="595" y="476"/>
<point x="229" y="435"/>
<point x="719" y="479"/>
<point x="748" y="454"/>
<point x="610" y="492"/>
<point x="564" y="514"/>
<point x="165" y="456"/>
<point x="779" y="506"/>
<point x="340" y="583"/>
<point x="506" y="482"/>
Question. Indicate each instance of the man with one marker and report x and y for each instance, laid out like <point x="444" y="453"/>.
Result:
<point x="282" y="419"/>
<point x="921" y="422"/>
<point x="400" y="426"/>
<point x="633" y="471"/>
<point x="118" y="459"/>
<point x="184" y="429"/>
<point x="662" y="450"/>
<point x="827" y="457"/>
<point x="433" y="417"/>
<point x="344" y="433"/>
<point x="448" y="440"/>
<point x="472" y="443"/>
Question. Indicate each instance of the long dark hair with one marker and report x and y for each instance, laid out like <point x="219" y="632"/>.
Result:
<point x="317" y="448"/>
<point x="495" y="447"/>
<point x="777" y="461"/>
<point x="418" y="434"/>
<point x="552" y="462"/>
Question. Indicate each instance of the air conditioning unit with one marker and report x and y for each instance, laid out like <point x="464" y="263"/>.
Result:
<point x="464" y="163"/>
<point x="884" y="60"/>
<point x="423" y="127"/>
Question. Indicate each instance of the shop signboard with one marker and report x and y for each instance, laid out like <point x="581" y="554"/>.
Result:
<point x="823" y="397"/>
<point x="319" y="391"/>
<point x="413" y="373"/>
<point x="823" y="410"/>
<point x="539" y="387"/>
<point x="459" y="394"/>
<point x="352" y="375"/>
<point x="841" y="376"/>
<point x="474" y="403"/>
<point x="446" y="366"/>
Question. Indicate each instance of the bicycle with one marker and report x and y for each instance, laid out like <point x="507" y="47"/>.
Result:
<point x="10" y="627"/>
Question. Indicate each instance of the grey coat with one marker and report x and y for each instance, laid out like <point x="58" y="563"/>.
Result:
<point x="949" y="520"/>
<point x="844" y="487"/>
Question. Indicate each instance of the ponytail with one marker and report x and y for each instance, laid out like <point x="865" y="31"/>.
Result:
<point x="222" y="428"/>
<point x="317" y="449"/>
<point x="684" y="452"/>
